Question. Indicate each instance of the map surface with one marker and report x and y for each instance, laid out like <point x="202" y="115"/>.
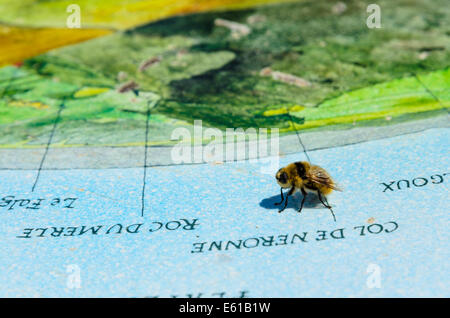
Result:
<point x="93" y="203"/>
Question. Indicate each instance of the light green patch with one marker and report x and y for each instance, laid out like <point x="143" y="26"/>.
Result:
<point x="391" y="99"/>
<point x="89" y="91"/>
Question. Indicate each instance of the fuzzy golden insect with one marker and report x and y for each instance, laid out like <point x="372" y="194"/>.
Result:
<point x="307" y="178"/>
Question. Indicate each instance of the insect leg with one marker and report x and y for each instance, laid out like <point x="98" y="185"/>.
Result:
<point x="321" y="200"/>
<point x="287" y="196"/>
<point x="282" y="197"/>
<point x="303" y="200"/>
<point x="326" y="201"/>
<point x="326" y="205"/>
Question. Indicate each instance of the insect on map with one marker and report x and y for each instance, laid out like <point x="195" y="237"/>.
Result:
<point x="139" y="143"/>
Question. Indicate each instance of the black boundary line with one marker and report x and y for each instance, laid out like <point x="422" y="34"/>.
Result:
<point x="298" y="136"/>
<point x="144" y="182"/>
<point x="431" y="93"/>
<point x="50" y="139"/>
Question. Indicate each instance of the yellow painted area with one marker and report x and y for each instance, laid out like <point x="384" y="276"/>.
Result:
<point x="296" y="108"/>
<point x="19" y="43"/>
<point x="282" y="111"/>
<point x="274" y="112"/>
<point x="23" y="103"/>
<point x="364" y="116"/>
<point x="90" y="91"/>
<point x="117" y="14"/>
<point x="125" y="14"/>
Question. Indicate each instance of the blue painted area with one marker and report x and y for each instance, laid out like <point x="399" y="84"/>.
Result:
<point x="235" y="202"/>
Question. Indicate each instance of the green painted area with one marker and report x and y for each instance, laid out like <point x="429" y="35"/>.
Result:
<point x="358" y="75"/>
<point x="386" y="100"/>
<point x="106" y="118"/>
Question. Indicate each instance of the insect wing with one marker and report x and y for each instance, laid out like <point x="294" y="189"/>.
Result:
<point x="320" y="176"/>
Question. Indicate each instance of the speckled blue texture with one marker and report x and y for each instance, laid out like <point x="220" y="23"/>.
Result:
<point x="231" y="202"/>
